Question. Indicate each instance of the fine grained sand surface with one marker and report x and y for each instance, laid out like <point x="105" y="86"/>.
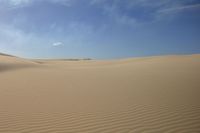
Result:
<point x="153" y="94"/>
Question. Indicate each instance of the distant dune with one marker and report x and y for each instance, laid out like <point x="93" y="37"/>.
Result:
<point x="151" y="94"/>
<point x="8" y="62"/>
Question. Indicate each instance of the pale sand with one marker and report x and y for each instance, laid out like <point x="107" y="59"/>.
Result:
<point x="152" y="94"/>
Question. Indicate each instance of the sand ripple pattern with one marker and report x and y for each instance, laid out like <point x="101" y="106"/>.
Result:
<point x="134" y="119"/>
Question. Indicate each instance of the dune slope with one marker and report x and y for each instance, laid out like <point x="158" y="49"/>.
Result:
<point x="152" y="94"/>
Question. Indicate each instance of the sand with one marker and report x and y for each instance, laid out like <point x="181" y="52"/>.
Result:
<point x="151" y="94"/>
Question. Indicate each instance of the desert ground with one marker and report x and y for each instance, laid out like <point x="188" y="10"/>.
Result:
<point x="137" y="95"/>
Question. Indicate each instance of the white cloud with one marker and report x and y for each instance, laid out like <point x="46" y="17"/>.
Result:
<point x="56" y="44"/>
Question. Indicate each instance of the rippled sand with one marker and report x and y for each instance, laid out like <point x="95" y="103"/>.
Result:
<point x="153" y="94"/>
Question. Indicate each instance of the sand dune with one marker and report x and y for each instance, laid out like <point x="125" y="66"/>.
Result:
<point x="8" y="62"/>
<point x="151" y="94"/>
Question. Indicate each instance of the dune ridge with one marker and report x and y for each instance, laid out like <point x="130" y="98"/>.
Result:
<point x="136" y="95"/>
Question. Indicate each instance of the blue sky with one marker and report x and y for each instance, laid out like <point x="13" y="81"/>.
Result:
<point x="100" y="29"/>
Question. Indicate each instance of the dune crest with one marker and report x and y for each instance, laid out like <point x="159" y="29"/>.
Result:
<point x="151" y="94"/>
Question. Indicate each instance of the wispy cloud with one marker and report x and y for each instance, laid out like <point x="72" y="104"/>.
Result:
<point x="18" y="2"/>
<point x="180" y="8"/>
<point x="120" y="11"/>
<point x="128" y="11"/>
<point x="114" y="11"/>
<point x="11" y="4"/>
<point x="22" y="3"/>
<point x="62" y="2"/>
<point x="12" y="36"/>
<point x="15" y="39"/>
